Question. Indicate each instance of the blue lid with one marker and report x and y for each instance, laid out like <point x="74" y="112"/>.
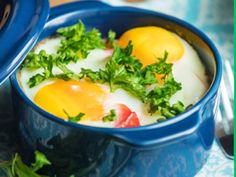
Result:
<point x="21" y="23"/>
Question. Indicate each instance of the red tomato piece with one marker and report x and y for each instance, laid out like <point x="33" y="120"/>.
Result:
<point x="126" y="118"/>
<point x="123" y="112"/>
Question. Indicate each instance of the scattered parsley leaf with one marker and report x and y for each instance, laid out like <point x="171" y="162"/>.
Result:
<point x="41" y="60"/>
<point x="75" y="118"/>
<point x="78" y="42"/>
<point x="111" y="38"/>
<point x="110" y="117"/>
<point x="67" y="74"/>
<point x="126" y="72"/>
<point x="171" y="111"/>
<point x="124" y="57"/>
<point x="161" y="66"/>
<point x="40" y="161"/>
<point x="122" y="71"/>
<point x="17" y="168"/>
<point x="158" y="98"/>
<point x="88" y="73"/>
<point x="32" y="61"/>
<point x="74" y="31"/>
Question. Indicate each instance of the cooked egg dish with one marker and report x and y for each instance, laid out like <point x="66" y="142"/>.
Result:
<point x="147" y="75"/>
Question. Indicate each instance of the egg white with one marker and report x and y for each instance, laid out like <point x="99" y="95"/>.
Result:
<point x="189" y="71"/>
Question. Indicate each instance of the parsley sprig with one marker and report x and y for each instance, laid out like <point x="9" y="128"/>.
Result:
<point x="76" y="118"/>
<point x="78" y="42"/>
<point x="17" y="168"/>
<point x="121" y="71"/>
<point x="124" y="71"/>
<point x="110" y="117"/>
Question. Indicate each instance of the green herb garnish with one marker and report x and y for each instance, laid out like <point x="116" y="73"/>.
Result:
<point x="17" y="168"/>
<point x="126" y="72"/>
<point x="111" y="38"/>
<point x="122" y="71"/>
<point x="47" y="62"/>
<point x="78" y="42"/>
<point x="75" y="118"/>
<point x="110" y="117"/>
<point x="158" y="98"/>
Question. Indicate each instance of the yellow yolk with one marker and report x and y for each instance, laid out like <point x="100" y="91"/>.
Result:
<point x="150" y="43"/>
<point x="74" y="97"/>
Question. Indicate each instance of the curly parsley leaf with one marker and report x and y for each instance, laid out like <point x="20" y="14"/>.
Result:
<point x="126" y="72"/>
<point x="78" y="42"/>
<point x="124" y="57"/>
<point x="94" y="76"/>
<point x="122" y="71"/>
<point x="161" y="67"/>
<point x="158" y="98"/>
<point x="47" y="62"/>
<point x="74" y="31"/>
<point x="36" y="61"/>
<point x="32" y="61"/>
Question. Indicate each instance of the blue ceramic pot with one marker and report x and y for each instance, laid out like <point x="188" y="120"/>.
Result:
<point x="21" y="23"/>
<point x="175" y="147"/>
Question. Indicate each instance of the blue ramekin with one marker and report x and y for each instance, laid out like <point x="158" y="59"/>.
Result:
<point x="175" y="147"/>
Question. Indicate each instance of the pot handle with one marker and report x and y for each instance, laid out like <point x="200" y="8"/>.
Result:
<point x="156" y="134"/>
<point x="75" y="6"/>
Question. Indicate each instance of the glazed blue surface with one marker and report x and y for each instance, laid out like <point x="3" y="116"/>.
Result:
<point x="176" y="147"/>
<point x="21" y="22"/>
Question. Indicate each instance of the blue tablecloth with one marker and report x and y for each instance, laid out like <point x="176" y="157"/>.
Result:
<point x="213" y="17"/>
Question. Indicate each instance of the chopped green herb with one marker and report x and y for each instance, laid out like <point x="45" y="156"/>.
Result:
<point x="78" y="42"/>
<point x="17" y="168"/>
<point x="126" y="72"/>
<point x="160" y="67"/>
<point x="159" y="97"/>
<point x="111" y="38"/>
<point x="40" y="161"/>
<point x="122" y="71"/>
<point x="75" y="118"/>
<point x="36" y="61"/>
<point x="47" y="62"/>
<point x="110" y="117"/>
<point x="92" y="75"/>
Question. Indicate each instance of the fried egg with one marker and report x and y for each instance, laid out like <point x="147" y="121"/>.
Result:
<point x="95" y="100"/>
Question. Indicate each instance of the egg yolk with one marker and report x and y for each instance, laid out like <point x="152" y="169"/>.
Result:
<point x="150" y="43"/>
<point x="74" y="97"/>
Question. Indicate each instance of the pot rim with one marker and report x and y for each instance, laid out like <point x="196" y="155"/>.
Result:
<point x="208" y="95"/>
